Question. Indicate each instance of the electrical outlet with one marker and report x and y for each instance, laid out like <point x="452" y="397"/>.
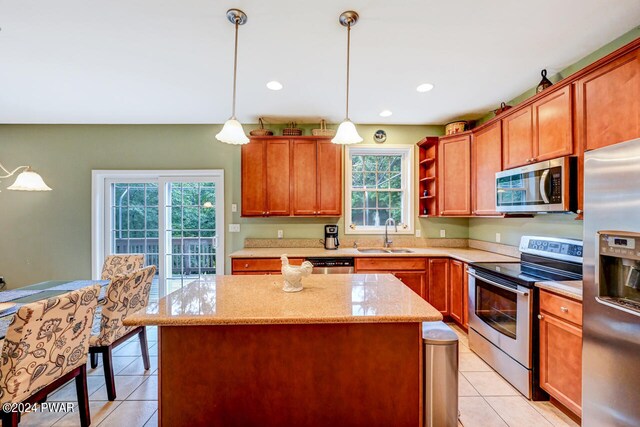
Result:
<point x="234" y="228"/>
<point x="443" y="233"/>
<point x="280" y="234"/>
<point x="418" y="233"/>
<point x="234" y="207"/>
<point x="497" y="237"/>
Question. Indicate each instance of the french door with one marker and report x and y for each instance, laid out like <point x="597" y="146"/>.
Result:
<point x="174" y="218"/>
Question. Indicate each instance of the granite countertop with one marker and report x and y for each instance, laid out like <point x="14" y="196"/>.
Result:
<point x="462" y="254"/>
<point x="571" y="289"/>
<point x="259" y="299"/>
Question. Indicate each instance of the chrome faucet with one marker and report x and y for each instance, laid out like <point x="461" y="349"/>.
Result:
<point x="388" y="242"/>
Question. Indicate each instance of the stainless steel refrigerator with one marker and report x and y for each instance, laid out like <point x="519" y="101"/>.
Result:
<point x="611" y="311"/>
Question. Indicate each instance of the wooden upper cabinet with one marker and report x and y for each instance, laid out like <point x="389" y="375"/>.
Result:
<point x="304" y="183"/>
<point x="517" y="138"/>
<point x="438" y="284"/>
<point x="254" y="184"/>
<point x="329" y="192"/>
<point x="608" y="103"/>
<point x="278" y="173"/>
<point x="454" y="175"/>
<point x="552" y="125"/>
<point x="486" y="160"/>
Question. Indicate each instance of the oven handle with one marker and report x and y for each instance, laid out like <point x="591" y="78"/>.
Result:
<point x="498" y="285"/>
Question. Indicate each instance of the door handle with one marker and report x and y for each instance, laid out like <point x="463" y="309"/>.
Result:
<point x="543" y="185"/>
<point x="498" y="285"/>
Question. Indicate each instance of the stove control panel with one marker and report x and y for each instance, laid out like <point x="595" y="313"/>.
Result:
<point x="552" y="247"/>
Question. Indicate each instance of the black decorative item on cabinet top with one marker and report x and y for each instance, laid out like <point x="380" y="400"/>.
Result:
<point x="544" y="83"/>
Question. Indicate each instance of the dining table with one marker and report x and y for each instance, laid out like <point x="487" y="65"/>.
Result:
<point x="38" y="292"/>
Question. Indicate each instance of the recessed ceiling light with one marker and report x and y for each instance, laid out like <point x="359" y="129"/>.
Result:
<point x="424" y="87"/>
<point x="274" y="85"/>
<point x="385" y="113"/>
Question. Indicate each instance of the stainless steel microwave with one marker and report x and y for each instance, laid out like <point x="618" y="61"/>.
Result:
<point x="548" y="186"/>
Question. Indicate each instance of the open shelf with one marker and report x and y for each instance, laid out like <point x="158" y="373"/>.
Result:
<point x="427" y="177"/>
<point x="427" y="160"/>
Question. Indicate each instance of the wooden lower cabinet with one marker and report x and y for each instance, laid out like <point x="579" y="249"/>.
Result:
<point x="456" y="283"/>
<point x="438" y="284"/>
<point x="415" y="280"/>
<point x="561" y="350"/>
<point x="243" y="266"/>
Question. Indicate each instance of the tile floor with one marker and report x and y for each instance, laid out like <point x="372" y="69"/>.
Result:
<point x="486" y="399"/>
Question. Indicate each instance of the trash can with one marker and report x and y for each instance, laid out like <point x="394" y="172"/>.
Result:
<point x="440" y="375"/>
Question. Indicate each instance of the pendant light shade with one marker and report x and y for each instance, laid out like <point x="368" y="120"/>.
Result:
<point x="347" y="132"/>
<point x="28" y="180"/>
<point x="232" y="131"/>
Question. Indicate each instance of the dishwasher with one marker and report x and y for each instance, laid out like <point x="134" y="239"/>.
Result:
<point x="335" y="265"/>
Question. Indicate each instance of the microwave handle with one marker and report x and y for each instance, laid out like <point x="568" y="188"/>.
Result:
<point x="543" y="186"/>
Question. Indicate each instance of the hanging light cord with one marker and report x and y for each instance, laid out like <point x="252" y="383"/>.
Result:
<point x="348" y="61"/>
<point x="8" y="174"/>
<point x="235" y="68"/>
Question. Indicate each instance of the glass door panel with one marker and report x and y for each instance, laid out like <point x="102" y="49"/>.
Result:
<point x="497" y="307"/>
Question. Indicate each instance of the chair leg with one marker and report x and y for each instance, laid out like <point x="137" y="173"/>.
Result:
<point x="9" y="419"/>
<point x="83" y="397"/>
<point x="144" y="346"/>
<point x="108" y="373"/>
<point x="94" y="360"/>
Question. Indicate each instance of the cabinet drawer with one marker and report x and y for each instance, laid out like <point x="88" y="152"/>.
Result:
<point x="363" y="264"/>
<point x="561" y="307"/>
<point x="260" y="264"/>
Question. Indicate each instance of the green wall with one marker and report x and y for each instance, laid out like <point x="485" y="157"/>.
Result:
<point x="48" y="235"/>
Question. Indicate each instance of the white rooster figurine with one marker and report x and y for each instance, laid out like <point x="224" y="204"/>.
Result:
<point x="293" y="274"/>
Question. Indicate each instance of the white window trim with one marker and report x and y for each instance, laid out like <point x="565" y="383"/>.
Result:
<point x="407" y="186"/>
<point x="99" y="222"/>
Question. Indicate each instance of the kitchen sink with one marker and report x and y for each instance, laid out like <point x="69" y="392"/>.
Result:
<point x="384" y="251"/>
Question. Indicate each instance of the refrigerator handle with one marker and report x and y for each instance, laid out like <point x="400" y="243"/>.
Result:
<point x="543" y="185"/>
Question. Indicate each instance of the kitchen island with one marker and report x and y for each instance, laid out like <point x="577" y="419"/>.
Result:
<point x="237" y="350"/>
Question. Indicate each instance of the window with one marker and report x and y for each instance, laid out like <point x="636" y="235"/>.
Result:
<point x="174" y="218"/>
<point x="378" y="187"/>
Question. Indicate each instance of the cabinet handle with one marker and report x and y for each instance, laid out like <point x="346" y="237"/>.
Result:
<point x="540" y="316"/>
<point x="441" y="212"/>
<point x="564" y="309"/>
<point x="579" y="211"/>
<point x="268" y="212"/>
<point x="246" y="266"/>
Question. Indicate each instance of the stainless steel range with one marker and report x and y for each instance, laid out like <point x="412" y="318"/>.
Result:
<point x="503" y="301"/>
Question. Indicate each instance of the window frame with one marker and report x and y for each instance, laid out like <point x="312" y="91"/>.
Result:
<point x="407" y="154"/>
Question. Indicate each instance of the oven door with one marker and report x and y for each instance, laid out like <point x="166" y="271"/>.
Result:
<point x="541" y="187"/>
<point x="502" y="313"/>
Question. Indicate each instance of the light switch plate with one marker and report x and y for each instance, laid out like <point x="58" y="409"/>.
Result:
<point x="234" y="228"/>
<point x="234" y="207"/>
<point x="418" y="233"/>
<point x="443" y="233"/>
<point x="280" y="234"/>
<point x="497" y="237"/>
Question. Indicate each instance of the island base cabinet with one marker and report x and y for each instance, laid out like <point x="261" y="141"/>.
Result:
<point x="293" y="375"/>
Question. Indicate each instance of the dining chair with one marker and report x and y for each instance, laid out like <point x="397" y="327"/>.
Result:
<point x="115" y="265"/>
<point x="125" y="294"/>
<point x="46" y="346"/>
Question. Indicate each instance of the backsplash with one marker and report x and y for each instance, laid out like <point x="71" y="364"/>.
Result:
<point x="347" y="242"/>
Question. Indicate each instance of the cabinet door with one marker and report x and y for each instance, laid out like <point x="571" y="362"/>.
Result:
<point x="414" y="280"/>
<point x="329" y="191"/>
<point x="486" y="160"/>
<point x="456" y="282"/>
<point x="465" y="297"/>
<point x="517" y="139"/>
<point x="254" y="185"/>
<point x="278" y="177"/>
<point x="552" y="125"/>
<point x="303" y="177"/>
<point x="608" y="103"/>
<point x="438" y="284"/>
<point x="561" y="361"/>
<point x="454" y="175"/>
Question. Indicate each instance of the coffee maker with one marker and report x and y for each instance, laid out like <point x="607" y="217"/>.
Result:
<point x="331" y="237"/>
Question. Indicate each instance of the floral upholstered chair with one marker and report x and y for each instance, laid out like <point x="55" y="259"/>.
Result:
<point x="45" y="346"/>
<point x="125" y="294"/>
<point x="115" y="265"/>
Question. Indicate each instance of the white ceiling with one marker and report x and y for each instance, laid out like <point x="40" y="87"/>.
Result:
<point x="167" y="61"/>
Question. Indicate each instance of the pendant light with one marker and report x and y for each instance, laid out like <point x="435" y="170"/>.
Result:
<point x="27" y="180"/>
<point x="347" y="133"/>
<point x="232" y="132"/>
